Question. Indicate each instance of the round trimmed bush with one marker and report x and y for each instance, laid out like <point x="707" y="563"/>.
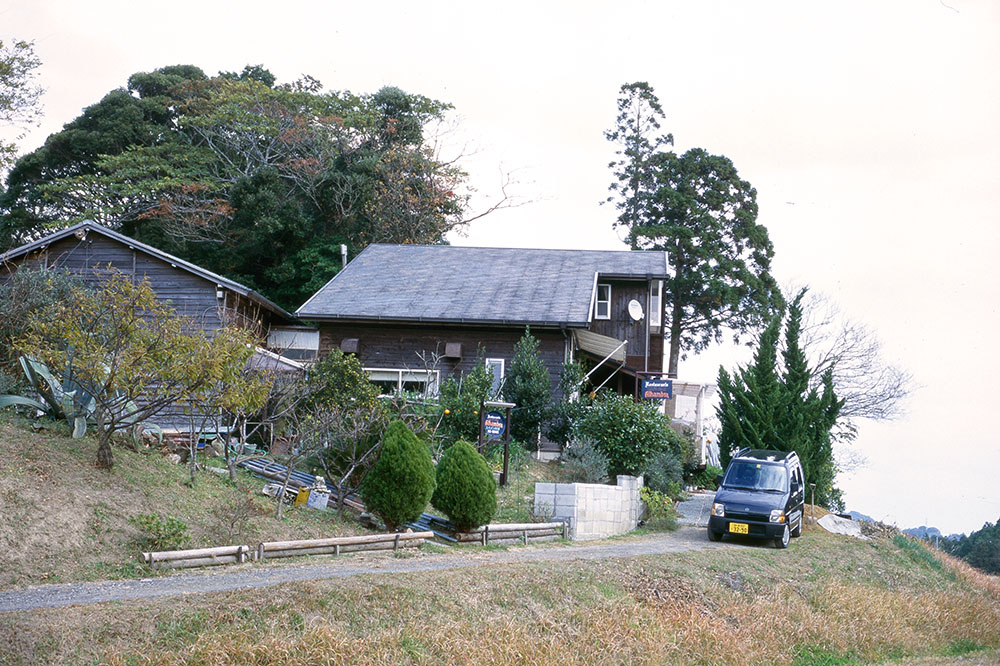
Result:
<point x="401" y="483"/>
<point x="466" y="490"/>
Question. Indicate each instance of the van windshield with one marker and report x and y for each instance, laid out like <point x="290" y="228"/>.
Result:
<point x="756" y="476"/>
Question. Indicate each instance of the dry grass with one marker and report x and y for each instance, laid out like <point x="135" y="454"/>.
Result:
<point x="828" y="599"/>
<point x="65" y="520"/>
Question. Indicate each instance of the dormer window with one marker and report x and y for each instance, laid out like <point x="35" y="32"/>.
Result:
<point x="602" y="309"/>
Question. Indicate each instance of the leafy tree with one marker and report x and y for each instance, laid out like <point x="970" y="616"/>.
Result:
<point x="981" y="549"/>
<point x="697" y="209"/>
<point x="629" y="433"/>
<point x="527" y="385"/>
<point x="339" y="380"/>
<point x="466" y="491"/>
<point x="460" y="399"/>
<point x="402" y="481"/>
<point x="772" y="405"/>
<point x="257" y="181"/>
<point x="128" y="351"/>
<point x="19" y="96"/>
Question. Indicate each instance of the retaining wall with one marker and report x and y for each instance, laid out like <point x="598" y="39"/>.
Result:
<point x="592" y="510"/>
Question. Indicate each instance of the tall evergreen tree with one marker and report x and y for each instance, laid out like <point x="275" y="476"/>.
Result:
<point x="697" y="209"/>
<point x="764" y="406"/>
<point x="528" y="385"/>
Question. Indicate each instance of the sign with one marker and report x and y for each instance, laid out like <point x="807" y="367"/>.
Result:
<point x="657" y="389"/>
<point x="494" y="425"/>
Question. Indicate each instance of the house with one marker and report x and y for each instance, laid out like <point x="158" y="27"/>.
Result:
<point x="207" y="300"/>
<point x="415" y="314"/>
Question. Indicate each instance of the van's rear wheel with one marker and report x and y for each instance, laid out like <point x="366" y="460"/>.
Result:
<point x="782" y="541"/>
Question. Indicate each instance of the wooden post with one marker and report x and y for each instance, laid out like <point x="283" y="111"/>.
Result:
<point x="506" y="451"/>
<point x="482" y="430"/>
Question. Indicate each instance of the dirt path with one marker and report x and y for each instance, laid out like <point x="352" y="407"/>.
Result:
<point x="254" y="576"/>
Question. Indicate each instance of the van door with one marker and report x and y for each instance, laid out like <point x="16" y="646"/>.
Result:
<point x="796" y="500"/>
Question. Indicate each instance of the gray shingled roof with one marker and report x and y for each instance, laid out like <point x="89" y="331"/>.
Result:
<point x="445" y="283"/>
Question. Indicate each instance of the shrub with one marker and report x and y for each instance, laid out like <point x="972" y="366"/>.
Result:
<point x="516" y="459"/>
<point x="663" y="469"/>
<point x="159" y="533"/>
<point x="401" y="483"/>
<point x="465" y="490"/>
<point x="660" y="513"/>
<point x="568" y="410"/>
<point x="460" y="399"/>
<point x="340" y="381"/>
<point x="706" y="478"/>
<point x="585" y="463"/>
<point x="527" y="385"/>
<point x="629" y="433"/>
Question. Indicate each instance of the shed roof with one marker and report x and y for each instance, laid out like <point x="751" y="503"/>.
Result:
<point x="88" y="225"/>
<point x="475" y="285"/>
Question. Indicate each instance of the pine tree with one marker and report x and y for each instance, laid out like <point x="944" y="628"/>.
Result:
<point x="527" y="385"/>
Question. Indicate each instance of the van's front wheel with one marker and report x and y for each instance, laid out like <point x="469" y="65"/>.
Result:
<point x="782" y="541"/>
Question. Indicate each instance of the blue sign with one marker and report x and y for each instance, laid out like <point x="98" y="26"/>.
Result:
<point x="494" y="425"/>
<point x="657" y="389"/>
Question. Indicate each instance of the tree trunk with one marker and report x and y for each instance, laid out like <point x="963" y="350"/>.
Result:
<point x="105" y="457"/>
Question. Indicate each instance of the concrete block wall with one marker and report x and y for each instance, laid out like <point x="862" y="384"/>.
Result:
<point x="592" y="510"/>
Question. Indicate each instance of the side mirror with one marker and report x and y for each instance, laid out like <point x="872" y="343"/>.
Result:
<point x="718" y="480"/>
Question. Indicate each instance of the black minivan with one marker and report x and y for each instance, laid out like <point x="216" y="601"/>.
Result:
<point x="760" y="495"/>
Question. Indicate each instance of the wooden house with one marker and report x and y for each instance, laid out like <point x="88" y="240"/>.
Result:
<point x="400" y="306"/>
<point x="206" y="300"/>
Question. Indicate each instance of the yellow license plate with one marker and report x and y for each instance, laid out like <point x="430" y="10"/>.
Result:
<point x="739" y="528"/>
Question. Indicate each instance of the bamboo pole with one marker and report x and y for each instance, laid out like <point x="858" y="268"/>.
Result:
<point x="344" y="541"/>
<point x="170" y="555"/>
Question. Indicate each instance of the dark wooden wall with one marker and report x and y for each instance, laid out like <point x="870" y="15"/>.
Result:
<point x="393" y="346"/>
<point x="622" y="327"/>
<point x="191" y="296"/>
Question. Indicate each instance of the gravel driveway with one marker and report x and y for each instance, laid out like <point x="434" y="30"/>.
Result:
<point x="237" y="577"/>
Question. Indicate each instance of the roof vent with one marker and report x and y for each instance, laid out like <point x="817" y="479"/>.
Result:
<point x="453" y="350"/>
<point x="349" y="345"/>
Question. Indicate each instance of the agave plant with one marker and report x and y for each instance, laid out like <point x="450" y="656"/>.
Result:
<point x="65" y="399"/>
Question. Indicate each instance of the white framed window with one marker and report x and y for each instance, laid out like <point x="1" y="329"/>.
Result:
<point x="497" y="366"/>
<point x="602" y="307"/>
<point x="392" y="380"/>
<point x="655" y="303"/>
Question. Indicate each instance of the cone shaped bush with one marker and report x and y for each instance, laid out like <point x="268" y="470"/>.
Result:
<point x="466" y="490"/>
<point x="401" y="482"/>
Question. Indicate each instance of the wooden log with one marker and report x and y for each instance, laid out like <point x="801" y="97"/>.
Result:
<point x="196" y="562"/>
<point x="170" y="555"/>
<point x="506" y="541"/>
<point x="344" y="541"/>
<point x="337" y="550"/>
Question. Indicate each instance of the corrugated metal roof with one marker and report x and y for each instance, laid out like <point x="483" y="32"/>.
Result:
<point x="449" y="284"/>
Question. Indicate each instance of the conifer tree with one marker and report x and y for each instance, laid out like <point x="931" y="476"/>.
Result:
<point x="764" y="406"/>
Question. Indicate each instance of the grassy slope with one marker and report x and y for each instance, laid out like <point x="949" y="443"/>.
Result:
<point x="825" y="600"/>
<point x="65" y="520"/>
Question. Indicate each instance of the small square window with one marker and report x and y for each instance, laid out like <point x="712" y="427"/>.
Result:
<point x="602" y="309"/>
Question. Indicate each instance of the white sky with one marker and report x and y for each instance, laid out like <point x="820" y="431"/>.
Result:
<point x="870" y="130"/>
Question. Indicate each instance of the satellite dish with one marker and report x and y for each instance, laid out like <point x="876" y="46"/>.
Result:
<point x="635" y="310"/>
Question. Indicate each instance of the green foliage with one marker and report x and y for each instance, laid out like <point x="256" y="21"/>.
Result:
<point x="129" y="353"/>
<point x="159" y="533"/>
<point x="573" y="400"/>
<point x="697" y="209"/>
<point x="256" y="181"/>
<point x="27" y="292"/>
<point x="460" y="399"/>
<point x="981" y="548"/>
<point x="402" y="481"/>
<point x="919" y="553"/>
<point x="340" y="381"/>
<point x="527" y="385"/>
<point x="629" y="433"/>
<point x="19" y="96"/>
<point x="664" y="468"/>
<point x="584" y="462"/>
<point x="768" y="405"/>
<point x="517" y="456"/>
<point x="659" y="506"/>
<point x="706" y="477"/>
<point x="466" y="490"/>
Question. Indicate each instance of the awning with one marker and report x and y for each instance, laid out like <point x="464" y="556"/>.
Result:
<point x="599" y="345"/>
